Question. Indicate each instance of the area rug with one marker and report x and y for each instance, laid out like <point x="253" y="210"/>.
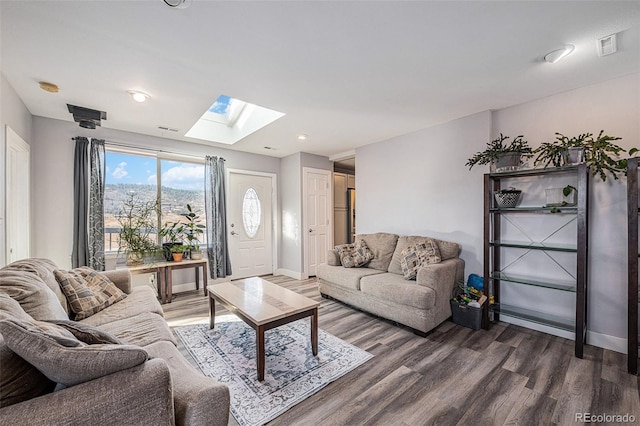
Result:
<point x="228" y="355"/>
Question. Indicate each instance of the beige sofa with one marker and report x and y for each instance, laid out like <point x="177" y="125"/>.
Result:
<point x="380" y="287"/>
<point x="163" y="390"/>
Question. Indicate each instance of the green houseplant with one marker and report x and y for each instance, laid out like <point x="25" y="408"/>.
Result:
<point x="503" y="154"/>
<point x="137" y="219"/>
<point x="192" y="231"/>
<point x="600" y="153"/>
<point x="177" y="252"/>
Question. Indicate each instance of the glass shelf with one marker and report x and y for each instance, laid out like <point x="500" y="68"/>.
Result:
<point x="534" y="172"/>
<point x="535" y="209"/>
<point x="556" y="285"/>
<point x="535" y="246"/>
<point x="550" y="320"/>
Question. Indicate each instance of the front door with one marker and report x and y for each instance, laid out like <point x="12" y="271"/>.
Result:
<point x="250" y="230"/>
<point x="316" y="211"/>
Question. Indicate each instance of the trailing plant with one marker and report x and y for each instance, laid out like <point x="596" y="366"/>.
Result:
<point x="499" y="146"/>
<point x="137" y="219"/>
<point x="555" y="153"/>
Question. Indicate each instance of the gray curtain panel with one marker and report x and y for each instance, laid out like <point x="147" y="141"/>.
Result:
<point x="80" y="253"/>
<point x="96" y="205"/>
<point x="215" y="205"/>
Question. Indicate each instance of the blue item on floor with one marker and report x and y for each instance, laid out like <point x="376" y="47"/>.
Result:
<point x="475" y="281"/>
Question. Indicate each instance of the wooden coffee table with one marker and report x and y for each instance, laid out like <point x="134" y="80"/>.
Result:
<point x="263" y="305"/>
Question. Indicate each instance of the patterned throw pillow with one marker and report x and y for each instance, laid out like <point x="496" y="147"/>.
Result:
<point x="354" y="255"/>
<point x="414" y="257"/>
<point x="87" y="291"/>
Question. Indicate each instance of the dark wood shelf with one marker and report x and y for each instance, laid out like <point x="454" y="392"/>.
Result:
<point x="493" y="245"/>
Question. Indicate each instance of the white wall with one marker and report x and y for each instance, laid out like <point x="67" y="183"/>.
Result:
<point x="52" y="157"/>
<point x="417" y="184"/>
<point x="13" y="113"/>
<point x="615" y="107"/>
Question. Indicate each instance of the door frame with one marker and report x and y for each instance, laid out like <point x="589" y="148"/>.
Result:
<point x="305" y="238"/>
<point x="275" y="221"/>
<point x="14" y="140"/>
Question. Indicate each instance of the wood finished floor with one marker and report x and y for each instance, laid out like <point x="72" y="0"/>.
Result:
<point x="455" y="376"/>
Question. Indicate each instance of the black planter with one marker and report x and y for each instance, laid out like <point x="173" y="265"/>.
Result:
<point x="166" y="250"/>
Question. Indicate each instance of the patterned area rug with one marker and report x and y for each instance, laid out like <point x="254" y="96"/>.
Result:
<point x="228" y="355"/>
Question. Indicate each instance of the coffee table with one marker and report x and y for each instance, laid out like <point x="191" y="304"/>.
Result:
<point x="263" y="306"/>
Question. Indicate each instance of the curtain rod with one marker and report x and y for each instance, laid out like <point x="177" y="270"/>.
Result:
<point x="129" y="145"/>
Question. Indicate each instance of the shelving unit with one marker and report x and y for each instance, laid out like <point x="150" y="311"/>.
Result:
<point x="632" y="283"/>
<point x="495" y="276"/>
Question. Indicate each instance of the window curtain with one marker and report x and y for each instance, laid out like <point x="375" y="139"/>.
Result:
<point x="215" y="204"/>
<point x="96" y="205"/>
<point x="80" y="253"/>
<point x="88" y="210"/>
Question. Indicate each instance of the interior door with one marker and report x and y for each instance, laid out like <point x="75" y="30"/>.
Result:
<point x="17" y="189"/>
<point x="316" y="211"/>
<point x="250" y="225"/>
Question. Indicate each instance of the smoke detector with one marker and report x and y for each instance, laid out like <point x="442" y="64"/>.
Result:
<point x="86" y="117"/>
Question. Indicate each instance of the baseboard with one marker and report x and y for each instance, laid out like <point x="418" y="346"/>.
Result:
<point x="290" y="274"/>
<point x="605" y="341"/>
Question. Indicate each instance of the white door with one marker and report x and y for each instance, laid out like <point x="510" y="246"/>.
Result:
<point x="317" y="213"/>
<point x="250" y="226"/>
<point x="17" y="189"/>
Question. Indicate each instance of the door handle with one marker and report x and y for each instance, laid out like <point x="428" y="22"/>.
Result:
<point x="310" y="230"/>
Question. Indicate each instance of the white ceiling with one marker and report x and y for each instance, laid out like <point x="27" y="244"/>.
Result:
<point x="345" y="73"/>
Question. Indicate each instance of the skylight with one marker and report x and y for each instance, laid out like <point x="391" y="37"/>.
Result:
<point x="229" y="120"/>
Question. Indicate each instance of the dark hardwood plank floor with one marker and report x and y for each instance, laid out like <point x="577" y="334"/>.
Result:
<point x="455" y="376"/>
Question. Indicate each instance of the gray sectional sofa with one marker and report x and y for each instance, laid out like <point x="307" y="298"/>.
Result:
<point x="381" y="289"/>
<point x="163" y="390"/>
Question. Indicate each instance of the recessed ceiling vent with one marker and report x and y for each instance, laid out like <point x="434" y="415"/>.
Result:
<point x="86" y="117"/>
<point x="607" y="45"/>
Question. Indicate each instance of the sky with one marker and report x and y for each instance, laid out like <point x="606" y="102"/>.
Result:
<point x="134" y="169"/>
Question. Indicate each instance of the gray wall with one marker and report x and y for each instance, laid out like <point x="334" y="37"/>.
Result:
<point x="417" y="184"/>
<point x="13" y="113"/>
<point x="52" y="157"/>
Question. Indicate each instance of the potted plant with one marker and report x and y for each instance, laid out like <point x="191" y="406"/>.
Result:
<point x="192" y="231"/>
<point x="137" y="220"/>
<point x="600" y="154"/>
<point x="171" y="233"/>
<point x="505" y="156"/>
<point x="177" y="252"/>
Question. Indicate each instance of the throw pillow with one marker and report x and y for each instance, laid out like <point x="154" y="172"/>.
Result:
<point x="87" y="334"/>
<point x="355" y="255"/>
<point x="416" y="256"/>
<point x="87" y="291"/>
<point x="61" y="357"/>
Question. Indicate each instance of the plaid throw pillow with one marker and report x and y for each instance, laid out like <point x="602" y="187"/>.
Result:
<point x="87" y="291"/>
<point x="414" y="257"/>
<point x="354" y="255"/>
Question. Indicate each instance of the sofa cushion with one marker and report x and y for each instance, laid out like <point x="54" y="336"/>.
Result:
<point x="413" y="257"/>
<point x="141" y="299"/>
<point x="382" y="245"/>
<point x="63" y="358"/>
<point x="87" y="291"/>
<point x="345" y="277"/>
<point x="354" y="255"/>
<point x="34" y="296"/>
<point x="447" y="250"/>
<point x="43" y="269"/>
<point x="394" y="288"/>
<point x="19" y="380"/>
<point x="87" y="334"/>
<point x="141" y="330"/>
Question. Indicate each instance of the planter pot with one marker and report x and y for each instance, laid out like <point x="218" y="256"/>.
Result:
<point x="134" y="258"/>
<point x="575" y="155"/>
<point x="556" y="198"/>
<point x="196" y="255"/>
<point x="177" y="257"/>
<point x="166" y="250"/>
<point x="508" y="161"/>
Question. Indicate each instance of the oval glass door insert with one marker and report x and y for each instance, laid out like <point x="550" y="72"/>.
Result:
<point x="251" y="212"/>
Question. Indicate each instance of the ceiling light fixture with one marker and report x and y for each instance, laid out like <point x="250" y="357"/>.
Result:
<point x="138" y="96"/>
<point x="303" y="137"/>
<point x="49" y="87"/>
<point x="178" y="4"/>
<point x="556" y="55"/>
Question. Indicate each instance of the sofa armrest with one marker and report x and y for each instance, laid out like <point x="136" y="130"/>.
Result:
<point x="140" y="395"/>
<point x="121" y="278"/>
<point x="441" y="277"/>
